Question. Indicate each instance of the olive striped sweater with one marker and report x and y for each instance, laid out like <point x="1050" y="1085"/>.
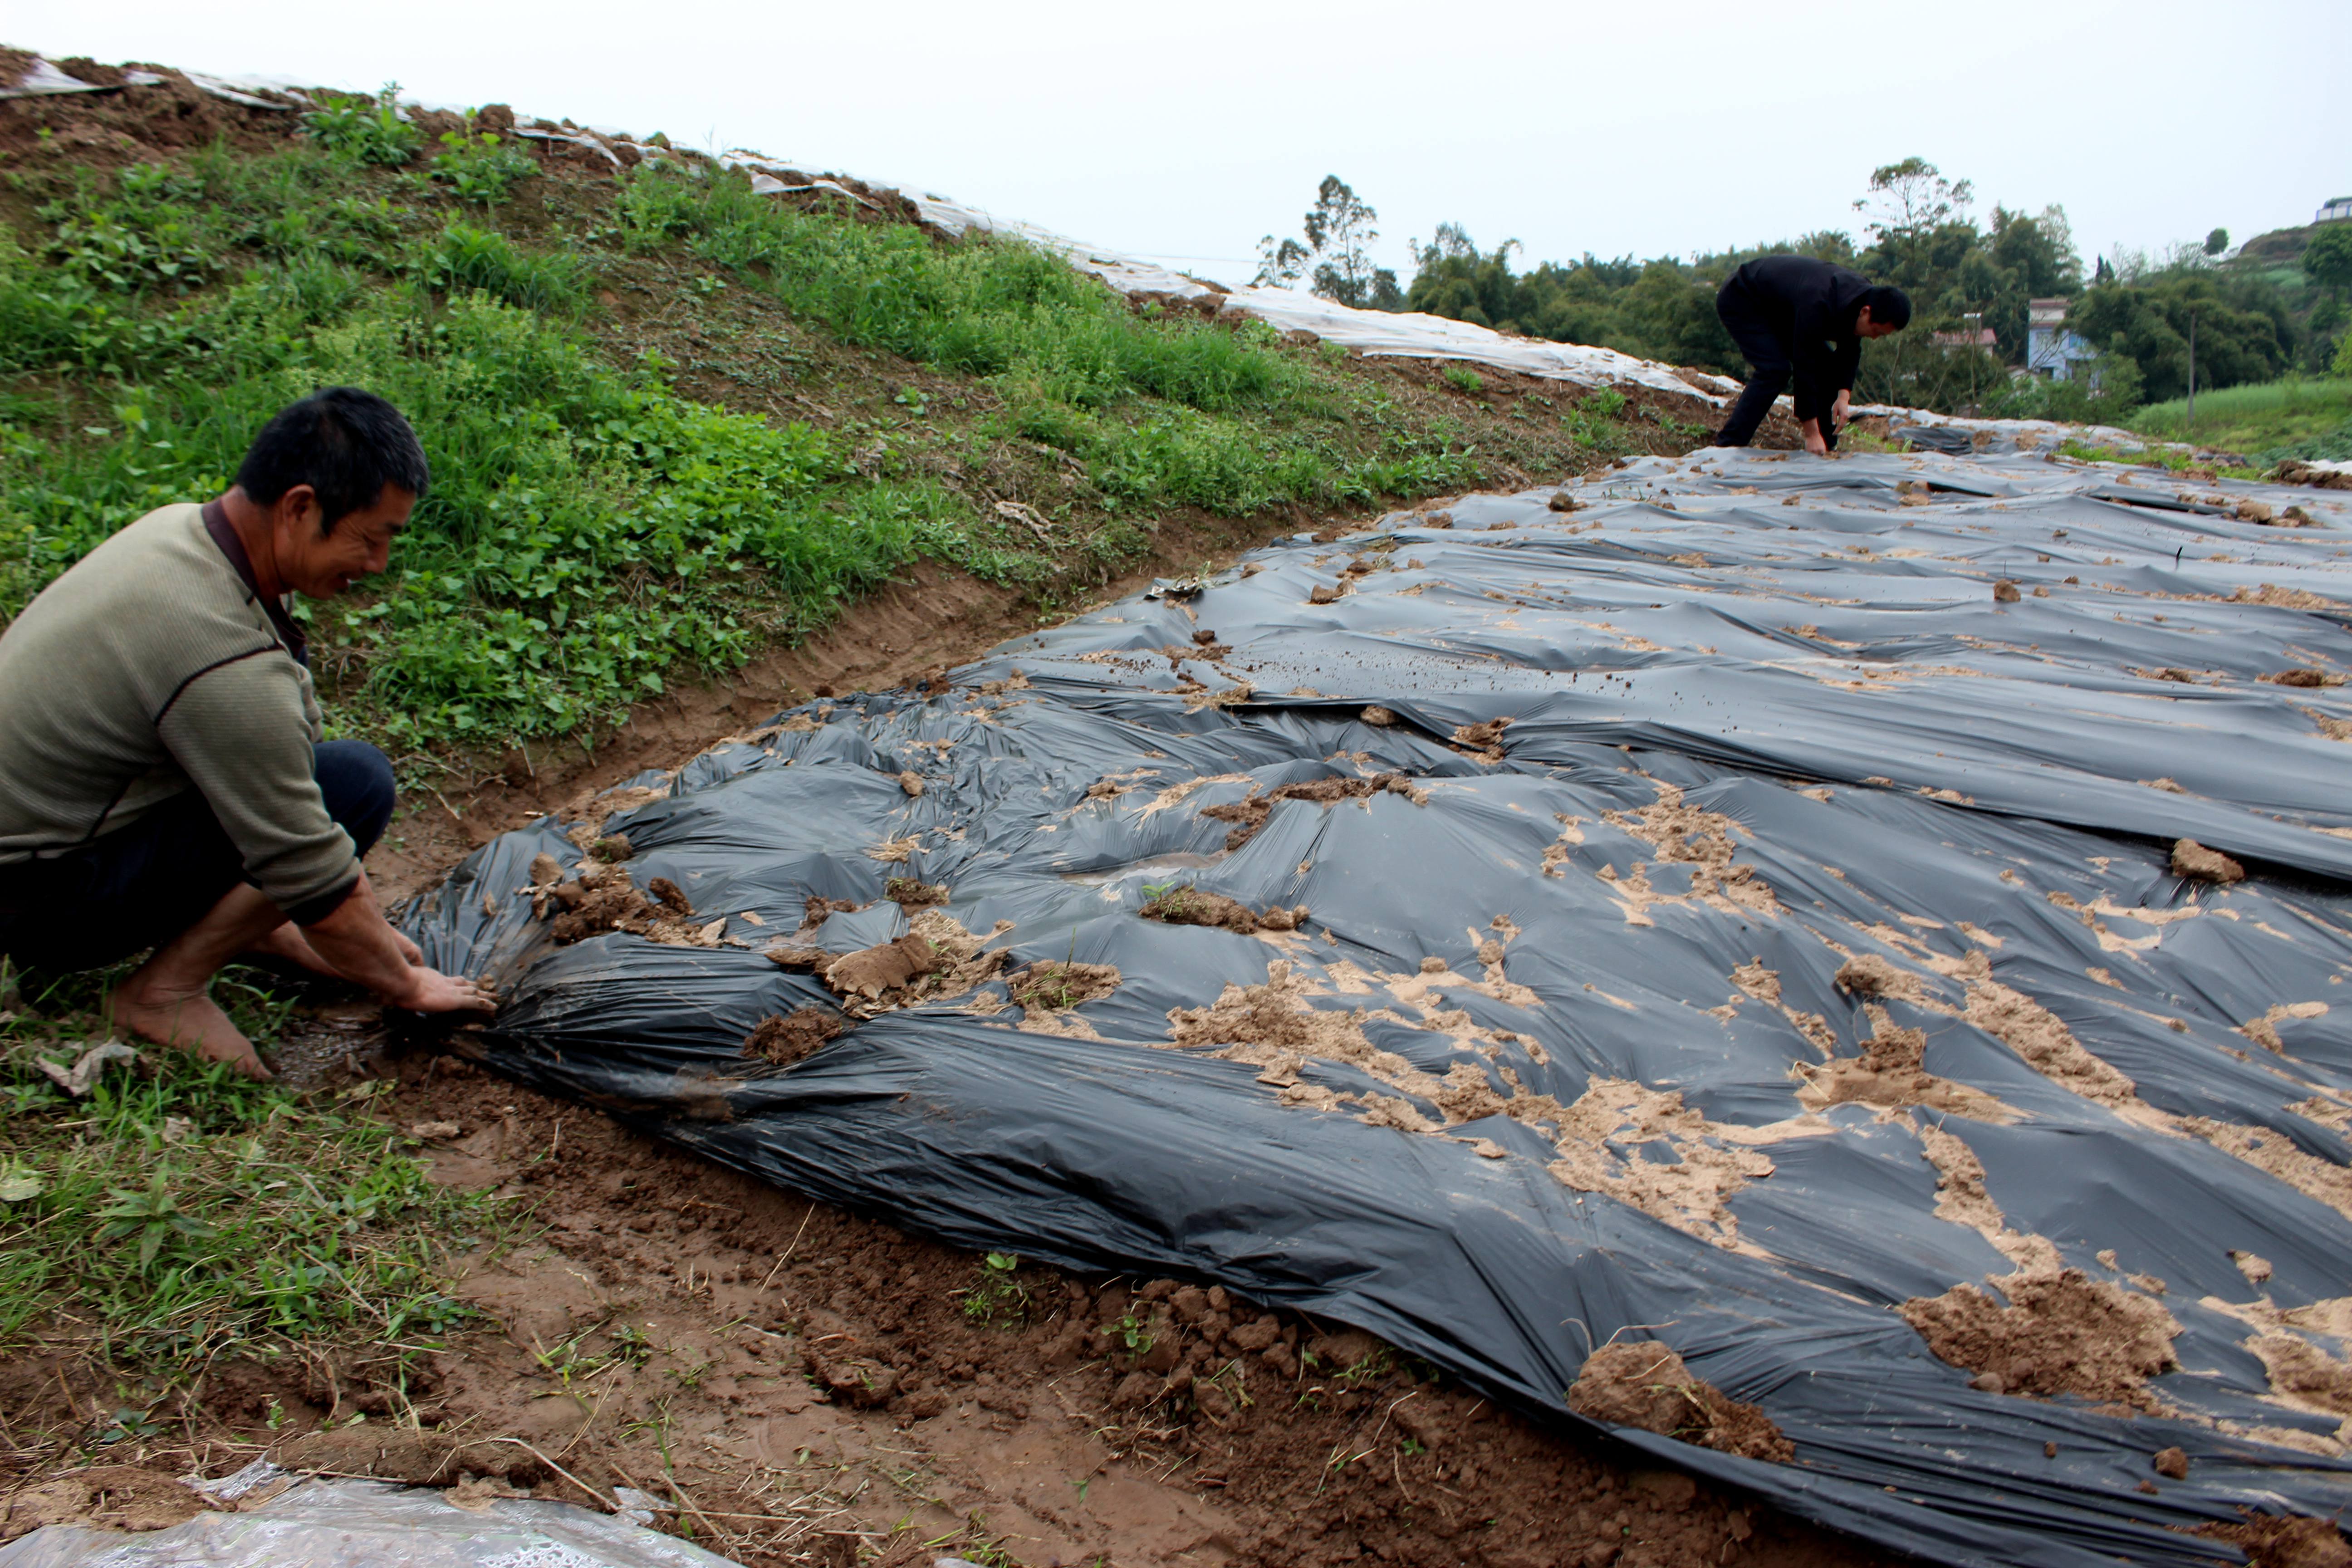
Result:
<point x="151" y="669"/>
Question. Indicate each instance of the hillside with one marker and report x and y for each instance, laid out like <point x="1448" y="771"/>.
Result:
<point x="673" y="422"/>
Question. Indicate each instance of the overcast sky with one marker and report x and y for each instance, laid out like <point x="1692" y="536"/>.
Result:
<point x="1186" y="131"/>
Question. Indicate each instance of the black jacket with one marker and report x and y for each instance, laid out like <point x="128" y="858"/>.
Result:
<point x="1809" y="307"/>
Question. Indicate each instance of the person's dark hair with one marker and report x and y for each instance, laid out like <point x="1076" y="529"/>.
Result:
<point x="345" y="444"/>
<point x="1888" y="305"/>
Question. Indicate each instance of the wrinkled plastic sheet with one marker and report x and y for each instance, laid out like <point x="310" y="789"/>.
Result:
<point x="1812" y="652"/>
<point x="361" y="1524"/>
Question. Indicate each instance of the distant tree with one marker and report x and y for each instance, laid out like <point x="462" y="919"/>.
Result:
<point x="1912" y="197"/>
<point x="1336" y="255"/>
<point x="1339" y="230"/>
<point x="1280" y="263"/>
<point x="2217" y="242"/>
<point x="2147" y="323"/>
<point x="2328" y="258"/>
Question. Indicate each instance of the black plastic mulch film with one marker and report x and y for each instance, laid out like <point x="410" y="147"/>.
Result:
<point x="1742" y="660"/>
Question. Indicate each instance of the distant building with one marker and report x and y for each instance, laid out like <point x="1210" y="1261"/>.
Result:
<point x="1981" y="338"/>
<point x="2051" y="348"/>
<point x="2336" y="211"/>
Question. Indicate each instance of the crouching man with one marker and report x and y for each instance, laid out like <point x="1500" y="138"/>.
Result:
<point x="162" y="783"/>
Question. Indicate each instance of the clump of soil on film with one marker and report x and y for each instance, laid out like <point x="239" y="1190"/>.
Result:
<point x="2284" y="1541"/>
<point x="1891" y="1072"/>
<point x="1486" y="739"/>
<point x="1251" y="813"/>
<point x="104" y="1497"/>
<point x="2193" y="860"/>
<point x="820" y="909"/>
<point x="1645" y="1384"/>
<point x="1871" y="975"/>
<point x="935" y="958"/>
<point x="2059" y="1333"/>
<point x="793" y="1036"/>
<point x="2305" y="1375"/>
<point x="1684" y="835"/>
<point x="1190" y="906"/>
<point x="1059" y="987"/>
<point x="909" y="893"/>
<point x="602" y="899"/>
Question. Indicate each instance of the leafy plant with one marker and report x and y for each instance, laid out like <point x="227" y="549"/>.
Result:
<point x="481" y="169"/>
<point x="1462" y="378"/>
<point x="997" y="1294"/>
<point x="1131" y="1333"/>
<point x="364" y="129"/>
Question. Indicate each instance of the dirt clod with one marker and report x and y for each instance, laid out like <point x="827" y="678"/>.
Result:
<point x="1251" y="813"/>
<point x="792" y="1037"/>
<point x="2172" y="1464"/>
<point x="1190" y="906"/>
<point x="1057" y="987"/>
<point x="2193" y="860"/>
<point x="911" y="781"/>
<point x="2005" y="592"/>
<point x="912" y="893"/>
<point x="2060" y="1334"/>
<point x="2284" y="1541"/>
<point x="1646" y="1385"/>
<point x="887" y="966"/>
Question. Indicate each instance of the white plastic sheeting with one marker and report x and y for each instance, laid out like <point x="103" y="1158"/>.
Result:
<point x="348" y="1523"/>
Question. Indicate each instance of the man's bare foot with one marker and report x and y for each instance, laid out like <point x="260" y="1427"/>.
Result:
<point x="192" y="1022"/>
<point x="286" y="943"/>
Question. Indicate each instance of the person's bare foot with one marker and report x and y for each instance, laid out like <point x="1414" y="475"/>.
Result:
<point x="286" y="944"/>
<point x="192" y="1022"/>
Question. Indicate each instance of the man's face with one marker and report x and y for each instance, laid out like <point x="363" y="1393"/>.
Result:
<point x="321" y="566"/>
<point x="1864" y="327"/>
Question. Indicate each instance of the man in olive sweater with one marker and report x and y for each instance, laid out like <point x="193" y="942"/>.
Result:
<point x="162" y="783"/>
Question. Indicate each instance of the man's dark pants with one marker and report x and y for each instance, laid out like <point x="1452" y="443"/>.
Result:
<point x="141" y="887"/>
<point x="1769" y="368"/>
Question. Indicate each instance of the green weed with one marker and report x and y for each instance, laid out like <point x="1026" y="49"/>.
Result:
<point x="366" y="130"/>
<point x="997" y="1294"/>
<point x="481" y="169"/>
<point x="1463" y="379"/>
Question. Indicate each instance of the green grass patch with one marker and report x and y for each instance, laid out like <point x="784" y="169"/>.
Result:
<point x="2297" y="418"/>
<point x="593" y="529"/>
<point x="181" y="1212"/>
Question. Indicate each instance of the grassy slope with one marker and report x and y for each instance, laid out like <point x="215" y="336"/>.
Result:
<point x="2277" y="419"/>
<point x="670" y="421"/>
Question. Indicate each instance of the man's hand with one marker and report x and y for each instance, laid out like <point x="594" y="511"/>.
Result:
<point x="361" y="946"/>
<point x="1813" y="441"/>
<point x="1842" y="410"/>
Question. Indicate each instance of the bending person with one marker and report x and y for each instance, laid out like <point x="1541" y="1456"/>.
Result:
<point x="1794" y="315"/>
<point x="163" y="784"/>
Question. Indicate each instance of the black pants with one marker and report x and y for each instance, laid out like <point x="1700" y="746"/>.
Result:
<point x="1770" y="367"/>
<point x="143" y="885"/>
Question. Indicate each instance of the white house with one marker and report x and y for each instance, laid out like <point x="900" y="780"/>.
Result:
<point x="2336" y="211"/>
<point x="2051" y="349"/>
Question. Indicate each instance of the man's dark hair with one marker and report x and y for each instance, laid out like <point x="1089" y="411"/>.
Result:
<point x="345" y="444"/>
<point x="1888" y="305"/>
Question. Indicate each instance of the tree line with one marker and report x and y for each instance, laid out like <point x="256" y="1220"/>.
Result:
<point x="2277" y="307"/>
